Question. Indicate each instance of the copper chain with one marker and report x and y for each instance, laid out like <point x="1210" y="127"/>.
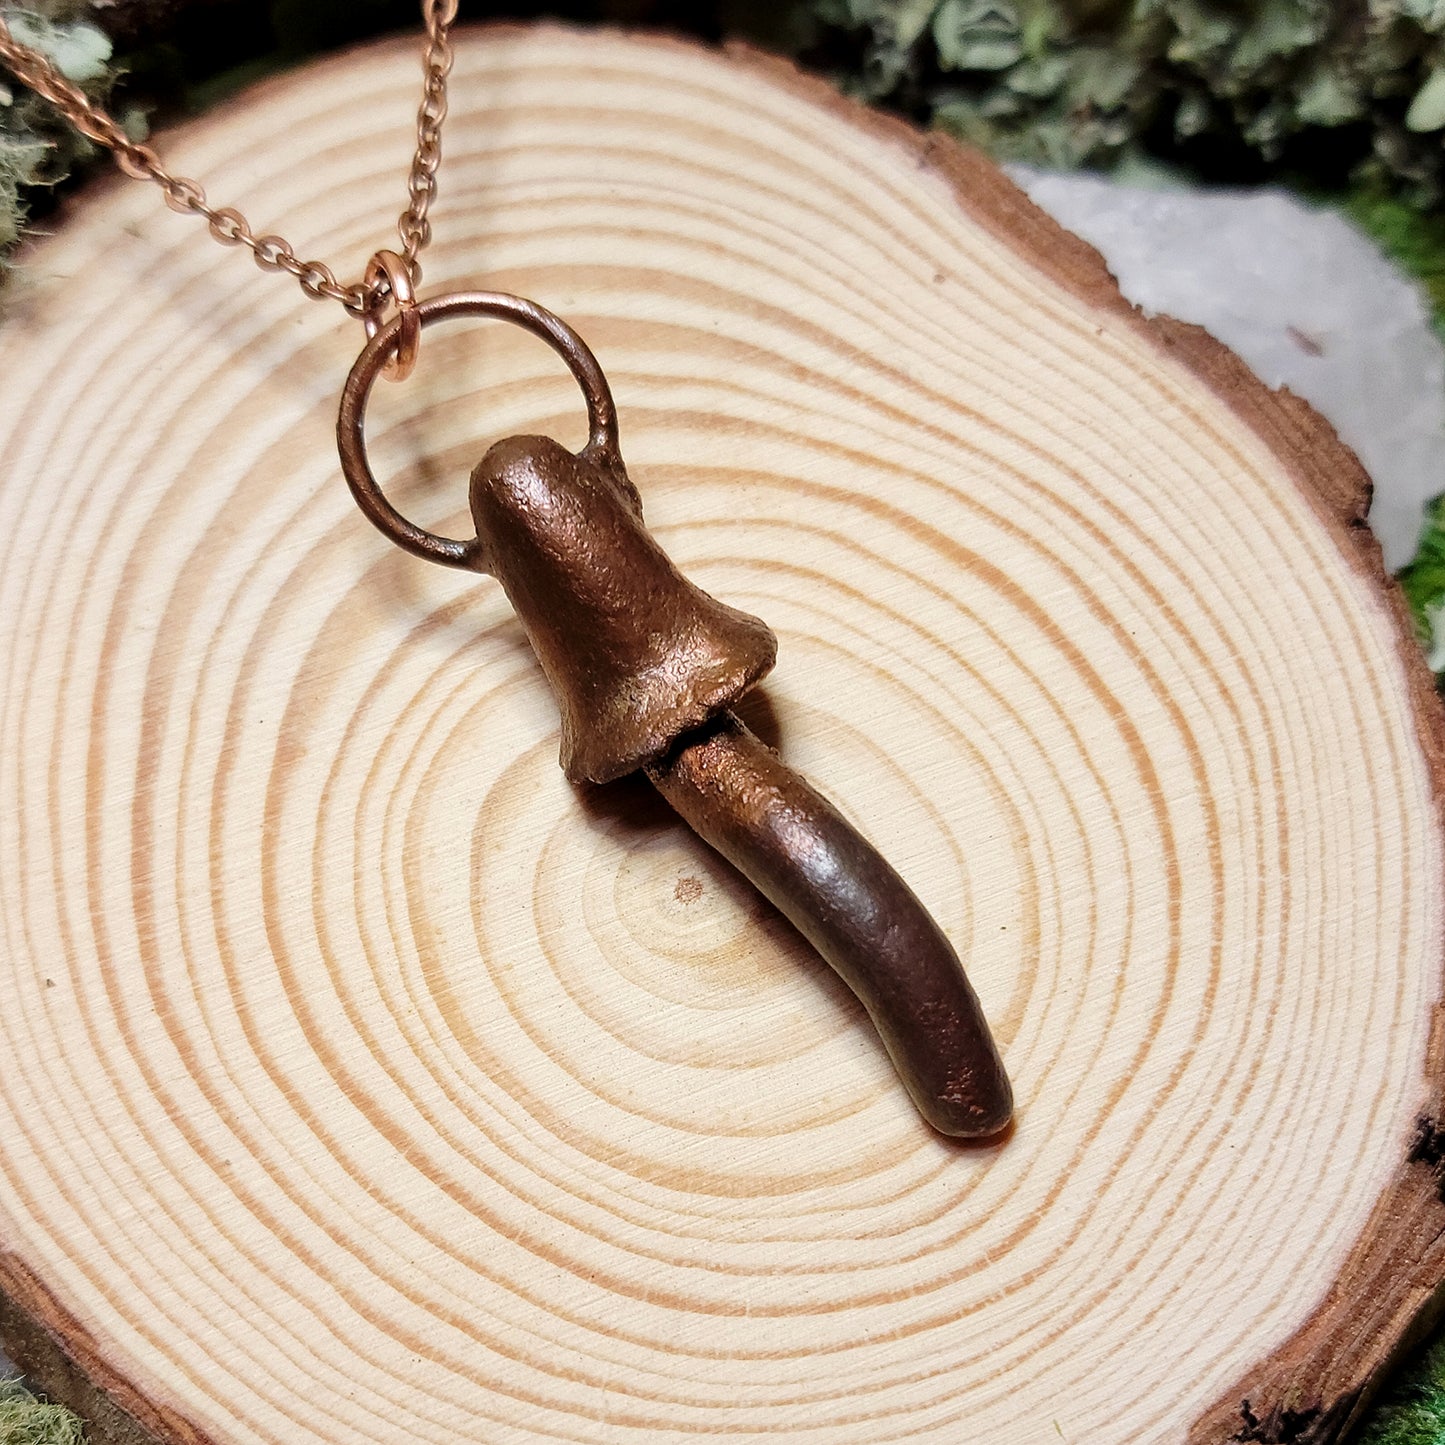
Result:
<point x="227" y="224"/>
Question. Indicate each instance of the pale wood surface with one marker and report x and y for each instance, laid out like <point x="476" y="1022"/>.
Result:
<point x="364" y="1082"/>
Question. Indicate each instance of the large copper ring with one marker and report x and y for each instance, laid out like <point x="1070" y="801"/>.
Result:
<point x="602" y="445"/>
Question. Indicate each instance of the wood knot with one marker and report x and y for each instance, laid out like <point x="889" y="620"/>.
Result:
<point x="1428" y="1148"/>
<point x="1278" y="1427"/>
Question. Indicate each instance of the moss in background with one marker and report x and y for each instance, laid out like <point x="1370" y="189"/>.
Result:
<point x="24" y="1420"/>
<point x="37" y="147"/>
<point x="1412" y="1411"/>
<point x="1337" y="89"/>
<point x="1413" y="239"/>
<point x="1423" y="582"/>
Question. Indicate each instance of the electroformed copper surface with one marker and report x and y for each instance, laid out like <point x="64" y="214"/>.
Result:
<point x="635" y="653"/>
<point x="644" y="666"/>
<point x="841" y="894"/>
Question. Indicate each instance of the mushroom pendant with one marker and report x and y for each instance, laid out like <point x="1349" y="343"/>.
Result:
<point x="645" y="667"/>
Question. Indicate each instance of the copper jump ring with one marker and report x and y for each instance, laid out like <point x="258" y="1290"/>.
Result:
<point x="384" y="347"/>
<point x="388" y="283"/>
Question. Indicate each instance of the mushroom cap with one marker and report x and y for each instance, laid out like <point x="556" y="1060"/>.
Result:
<point x="636" y="654"/>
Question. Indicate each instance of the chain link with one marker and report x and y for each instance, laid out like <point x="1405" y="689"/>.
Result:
<point x="413" y="226"/>
<point x="227" y="224"/>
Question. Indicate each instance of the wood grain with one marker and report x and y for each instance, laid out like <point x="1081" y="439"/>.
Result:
<point x="367" y="1082"/>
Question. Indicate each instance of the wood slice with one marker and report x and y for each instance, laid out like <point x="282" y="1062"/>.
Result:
<point x="365" y="1082"/>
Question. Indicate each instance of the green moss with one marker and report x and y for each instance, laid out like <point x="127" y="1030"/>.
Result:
<point x="24" y="1420"/>
<point x="1423" y="581"/>
<point x="1413" y="1409"/>
<point x="1416" y="242"/>
<point x="1414" y="239"/>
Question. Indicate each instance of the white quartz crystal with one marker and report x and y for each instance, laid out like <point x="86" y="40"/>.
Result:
<point x="1305" y="298"/>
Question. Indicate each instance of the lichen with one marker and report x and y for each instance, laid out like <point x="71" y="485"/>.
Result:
<point x="37" y="147"/>
<point x="1335" y="90"/>
<point x="24" y="1420"/>
<point x="1104" y="82"/>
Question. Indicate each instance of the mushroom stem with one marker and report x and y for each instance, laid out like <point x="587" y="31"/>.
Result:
<point x="841" y="894"/>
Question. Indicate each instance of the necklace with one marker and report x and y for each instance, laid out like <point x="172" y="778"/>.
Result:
<point x="645" y="666"/>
